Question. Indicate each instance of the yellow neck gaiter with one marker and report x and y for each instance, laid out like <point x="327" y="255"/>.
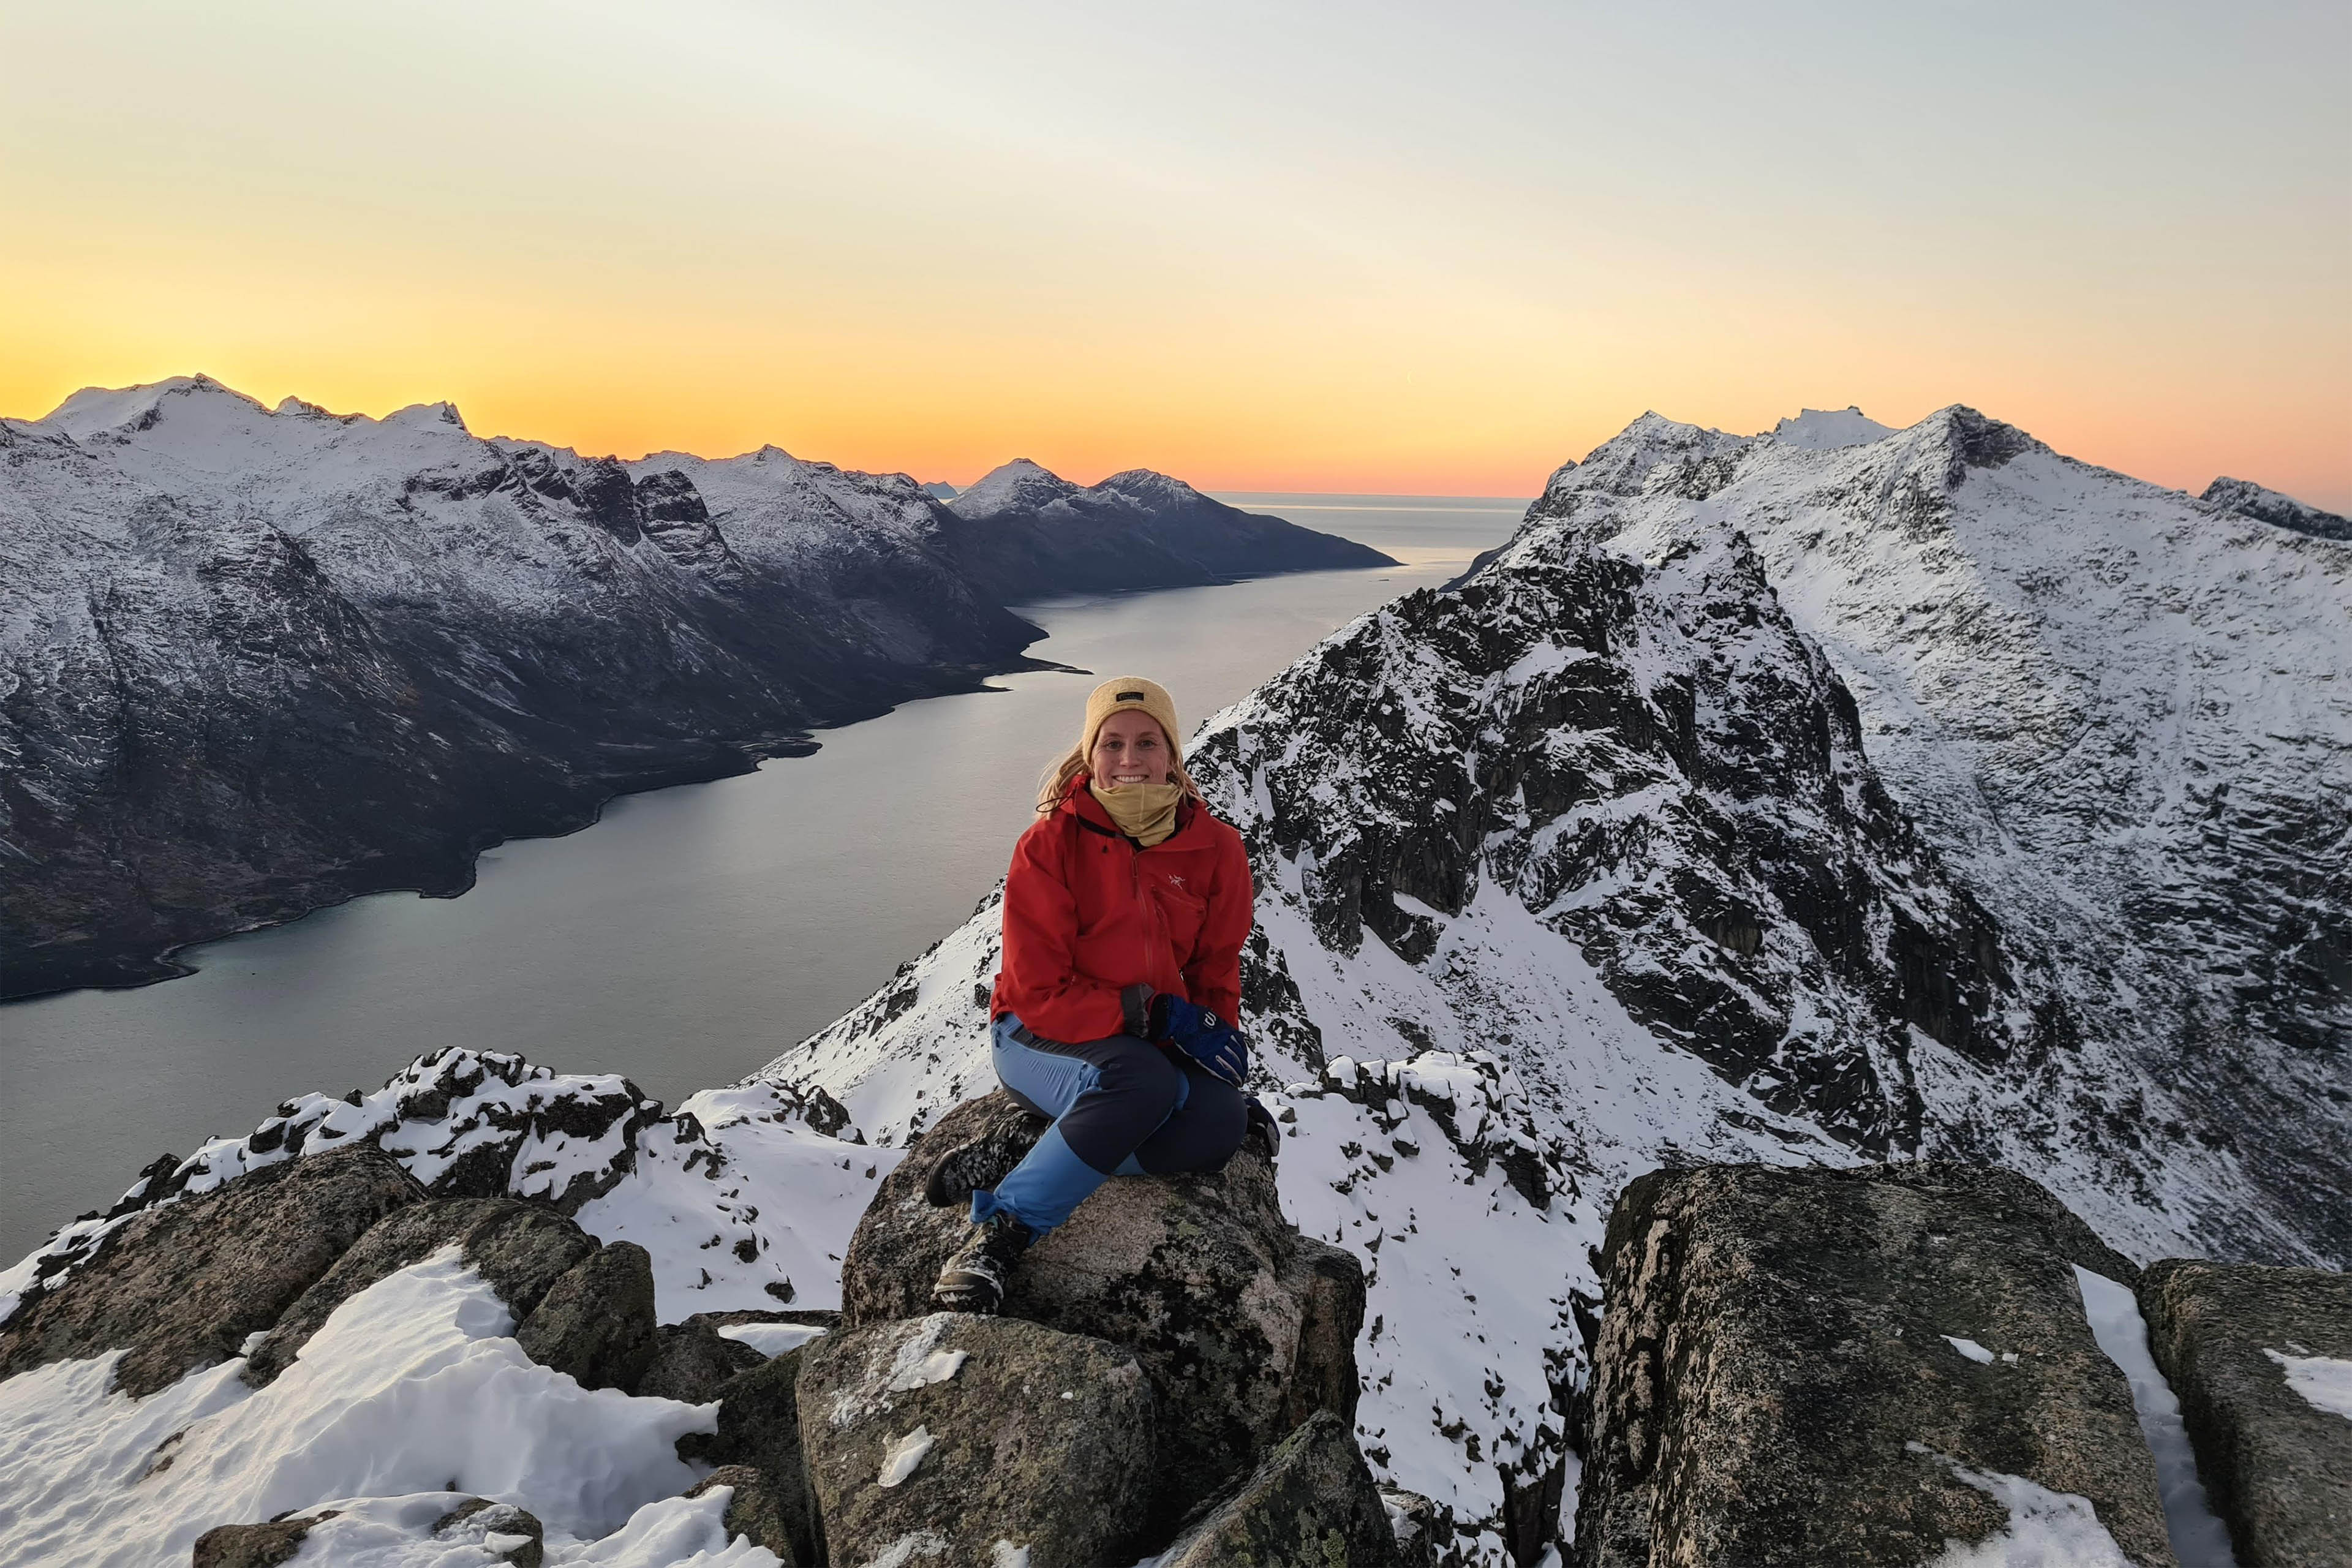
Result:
<point x="1145" y="813"/>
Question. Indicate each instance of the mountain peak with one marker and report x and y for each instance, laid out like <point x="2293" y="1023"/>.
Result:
<point x="2245" y="498"/>
<point x="1019" y="484"/>
<point x="1149" y="486"/>
<point x="1820" y="429"/>
<point x="97" y="410"/>
<point x="426" y="416"/>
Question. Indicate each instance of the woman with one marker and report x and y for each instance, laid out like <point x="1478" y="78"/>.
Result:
<point x="1125" y="911"/>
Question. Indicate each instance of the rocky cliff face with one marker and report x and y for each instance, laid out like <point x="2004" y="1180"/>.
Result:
<point x="254" y="661"/>
<point x="1830" y="795"/>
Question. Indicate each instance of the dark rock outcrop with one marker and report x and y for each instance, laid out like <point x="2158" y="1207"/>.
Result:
<point x="1310" y="1504"/>
<point x="2280" y="510"/>
<point x="1243" y="1325"/>
<point x="756" y="1511"/>
<point x="255" y="1545"/>
<point x="520" y="1248"/>
<point x="2229" y="1340"/>
<point x="182" y="1285"/>
<point x="1846" y="1369"/>
<point x="958" y="1433"/>
<point x="760" y="1427"/>
<point x="597" y="1322"/>
<point x="692" y="1363"/>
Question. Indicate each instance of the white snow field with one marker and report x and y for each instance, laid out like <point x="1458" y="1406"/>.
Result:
<point x="413" y="1393"/>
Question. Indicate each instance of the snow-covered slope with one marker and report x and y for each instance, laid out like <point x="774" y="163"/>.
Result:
<point x="1859" y="795"/>
<point x="2124" y="718"/>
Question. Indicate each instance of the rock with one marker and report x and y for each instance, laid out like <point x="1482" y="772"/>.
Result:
<point x="2231" y="1339"/>
<point x="1243" y="1325"/>
<point x="255" y="1545"/>
<point x="597" y="1320"/>
<point x="1774" y="1382"/>
<point x="755" y="1510"/>
<point x="1415" y="1522"/>
<point x="518" y="1248"/>
<point x="1311" y="1504"/>
<point x="760" y="1427"/>
<point x="520" y="1538"/>
<point x="692" y="1363"/>
<point x="977" y="1431"/>
<point x="182" y="1285"/>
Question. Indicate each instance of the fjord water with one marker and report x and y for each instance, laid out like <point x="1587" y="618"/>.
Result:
<point x="693" y="932"/>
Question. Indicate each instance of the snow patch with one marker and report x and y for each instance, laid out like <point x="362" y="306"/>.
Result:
<point x="2199" y="1538"/>
<point x="905" y="1457"/>
<point x="2324" y="1382"/>
<point x="2046" y="1529"/>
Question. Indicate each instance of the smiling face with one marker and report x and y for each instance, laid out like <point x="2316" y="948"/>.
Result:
<point x="1130" y="749"/>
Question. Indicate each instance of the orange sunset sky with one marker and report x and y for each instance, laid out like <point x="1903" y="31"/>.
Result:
<point x="1374" y="246"/>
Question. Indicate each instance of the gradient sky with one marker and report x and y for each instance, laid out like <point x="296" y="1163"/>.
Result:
<point x="1428" y="248"/>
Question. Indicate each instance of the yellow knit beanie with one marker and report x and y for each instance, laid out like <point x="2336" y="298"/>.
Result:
<point x="1132" y="691"/>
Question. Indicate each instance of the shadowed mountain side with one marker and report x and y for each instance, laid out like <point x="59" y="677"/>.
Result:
<point x="1030" y="532"/>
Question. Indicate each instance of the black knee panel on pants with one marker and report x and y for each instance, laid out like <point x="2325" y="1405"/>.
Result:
<point x="1204" y="1134"/>
<point x="1134" y="1092"/>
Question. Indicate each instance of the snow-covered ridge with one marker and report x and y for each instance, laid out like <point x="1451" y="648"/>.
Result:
<point x="745" y="1196"/>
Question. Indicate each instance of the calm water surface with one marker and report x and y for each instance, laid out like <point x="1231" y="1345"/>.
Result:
<point x="693" y="932"/>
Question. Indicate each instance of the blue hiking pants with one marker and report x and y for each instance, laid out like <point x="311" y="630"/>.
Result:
<point x="1121" y="1107"/>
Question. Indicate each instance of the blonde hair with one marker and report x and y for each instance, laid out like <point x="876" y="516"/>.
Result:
<point x="1055" y="782"/>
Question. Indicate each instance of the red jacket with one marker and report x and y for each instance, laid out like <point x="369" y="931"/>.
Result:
<point x="1088" y="914"/>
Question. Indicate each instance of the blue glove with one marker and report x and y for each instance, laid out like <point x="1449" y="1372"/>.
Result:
<point x="1222" y="1051"/>
<point x="1200" y="1035"/>
<point x="1171" y="1020"/>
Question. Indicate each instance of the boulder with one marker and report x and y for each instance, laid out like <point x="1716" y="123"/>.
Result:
<point x="183" y="1285"/>
<point x="518" y="1248"/>
<point x="2244" y="1349"/>
<point x="1244" y="1326"/>
<point x="255" y="1545"/>
<point x="1309" y="1504"/>
<point x="1849" y="1369"/>
<point x="508" y="1533"/>
<point x="692" y="1363"/>
<point x="760" y="1428"/>
<point x="754" y="1509"/>
<point x="977" y="1440"/>
<point x="596" y="1322"/>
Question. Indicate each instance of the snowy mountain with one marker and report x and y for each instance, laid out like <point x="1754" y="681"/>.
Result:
<point x="1028" y="527"/>
<point x="253" y="660"/>
<point x="1816" y="796"/>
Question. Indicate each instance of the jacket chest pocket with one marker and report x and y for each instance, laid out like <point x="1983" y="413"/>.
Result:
<point x="1183" y="913"/>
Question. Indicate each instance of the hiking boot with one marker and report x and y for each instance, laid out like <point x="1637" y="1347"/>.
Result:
<point x="1260" y="1132"/>
<point x="979" y="1165"/>
<point x="973" y="1279"/>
